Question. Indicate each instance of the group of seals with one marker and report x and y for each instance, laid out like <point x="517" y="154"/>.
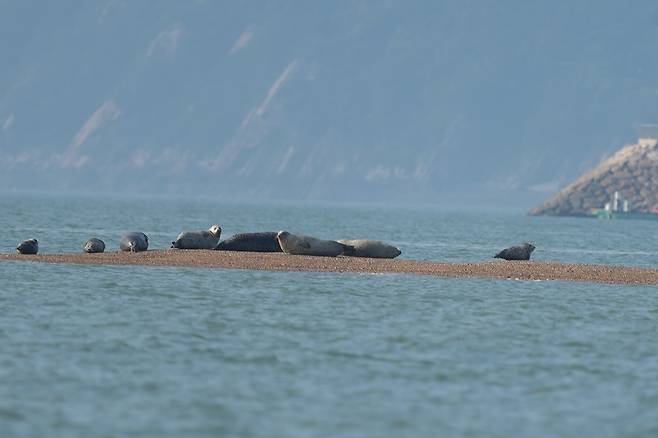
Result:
<point x="298" y="244"/>
<point x="268" y="241"/>
<point x="31" y="246"/>
<point x="305" y="245"/>
<point x="283" y="241"/>
<point x="202" y="239"/>
<point x="137" y="241"/>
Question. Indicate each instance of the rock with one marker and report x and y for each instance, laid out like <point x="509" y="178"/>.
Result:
<point x="632" y="171"/>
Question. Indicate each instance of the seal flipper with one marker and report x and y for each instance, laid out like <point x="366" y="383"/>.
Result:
<point x="348" y="250"/>
<point x="305" y="244"/>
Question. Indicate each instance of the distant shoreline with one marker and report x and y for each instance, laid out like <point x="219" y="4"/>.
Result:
<point x="532" y="270"/>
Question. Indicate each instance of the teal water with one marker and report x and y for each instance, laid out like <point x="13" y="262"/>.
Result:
<point x="137" y="351"/>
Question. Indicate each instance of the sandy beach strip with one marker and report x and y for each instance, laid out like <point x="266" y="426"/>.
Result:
<point x="532" y="270"/>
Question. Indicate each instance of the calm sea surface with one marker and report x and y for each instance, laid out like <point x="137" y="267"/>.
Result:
<point x="136" y="351"/>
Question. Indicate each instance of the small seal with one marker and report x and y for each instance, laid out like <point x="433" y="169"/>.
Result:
<point x="198" y="239"/>
<point x="371" y="248"/>
<point x="93" y="246"/>
<point x="134" y="242"/>
<point x="254" y="242"/>
<point x="30" y="246"/>
<point x="306" y="245"/>
<point x="518" y="252"/>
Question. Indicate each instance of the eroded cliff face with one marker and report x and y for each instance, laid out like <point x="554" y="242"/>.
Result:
<point x="632" y="171"/>
<point x="371" y="100"/>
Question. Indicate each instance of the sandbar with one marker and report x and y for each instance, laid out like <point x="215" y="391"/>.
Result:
<point x="495" y="269"/>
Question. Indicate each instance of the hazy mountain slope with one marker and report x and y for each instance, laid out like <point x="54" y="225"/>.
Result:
<point x="378" y="99"/>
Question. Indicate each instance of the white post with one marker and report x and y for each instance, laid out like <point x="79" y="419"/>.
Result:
<point x="615" y="202"/>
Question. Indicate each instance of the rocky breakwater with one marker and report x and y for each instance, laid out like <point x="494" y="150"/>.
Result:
<point x="632" y="171"/>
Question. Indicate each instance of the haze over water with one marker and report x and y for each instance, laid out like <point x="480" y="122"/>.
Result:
<point x="117" y="351"/>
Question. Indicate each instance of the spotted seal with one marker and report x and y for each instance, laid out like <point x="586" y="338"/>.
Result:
<point x="201" y="239"/>
<point x="93" y="246"/>
<point x="518" y="252"/>
<point x="371" y="248"/>
<point x="30" y="246"/>
<point x="134" y="242"/>
<point x="255" y="242"/>
<point x="306" y="245"/>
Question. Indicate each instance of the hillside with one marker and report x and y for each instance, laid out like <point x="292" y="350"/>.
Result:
<point x="420" y="100"/>
<point x="632" y="171"/>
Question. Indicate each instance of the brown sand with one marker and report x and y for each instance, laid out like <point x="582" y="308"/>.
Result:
<point x="532" y="270"/>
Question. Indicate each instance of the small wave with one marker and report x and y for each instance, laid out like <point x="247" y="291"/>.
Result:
<point x="596" y="251"/>
<point x="9" y="414"/>
<point x="105" y="232"/>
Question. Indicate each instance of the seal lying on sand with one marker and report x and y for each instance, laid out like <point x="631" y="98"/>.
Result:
<point x="255" y="242"/>
<point x="198" y="239"/>
<point x="518" y="252"/>
<point x="371" y="248"/>
<point x="305" y="245"/>
<point x="30" y="246"/>
<point x="134" y="242"/>
<point x="93" y="246"/>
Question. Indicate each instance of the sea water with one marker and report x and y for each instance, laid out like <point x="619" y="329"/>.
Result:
<point x="140" y="351"/>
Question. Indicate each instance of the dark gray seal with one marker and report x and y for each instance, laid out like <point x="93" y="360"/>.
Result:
<point x="518" y="252"/>
<point x="255" y="242"/>
<point x="30" y="246"/>
<point x="202" y="239"/>
<point x="306" y="245"/>
<point x="93" y="246"/>
<point x="370" y="248"/>
<point x="134" y="242"/>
